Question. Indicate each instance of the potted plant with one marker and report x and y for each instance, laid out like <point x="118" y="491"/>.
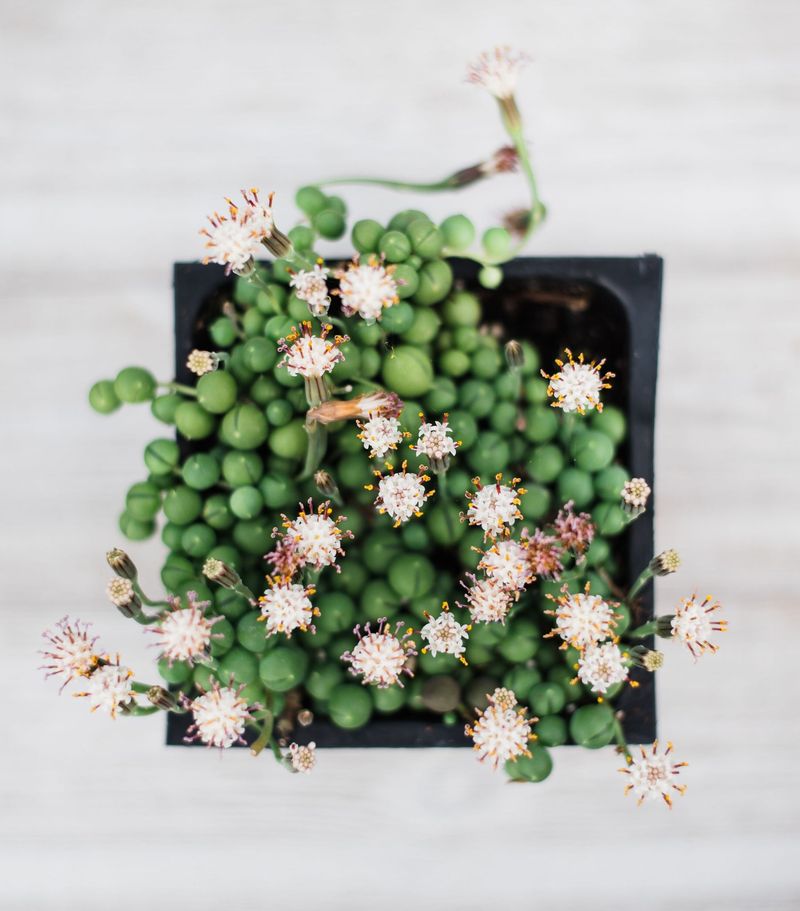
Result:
<point x="407" y="502"/>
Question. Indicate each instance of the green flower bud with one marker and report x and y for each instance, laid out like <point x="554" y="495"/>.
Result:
<point x="121" y="564"/>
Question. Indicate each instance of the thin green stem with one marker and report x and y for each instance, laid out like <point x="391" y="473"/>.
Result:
<point x="180" y="387"/>
<point x="619" y="737"/>
<point x="436" y="186"/>
<point x="145" y="600"/>
<point x="644" y="577"/>
<point x="646" y="629"/>
<point x="317" y="444"/>
<point x="133" y="709"/>
<point x="266" y="734"/>
<point x="138" y="687"/>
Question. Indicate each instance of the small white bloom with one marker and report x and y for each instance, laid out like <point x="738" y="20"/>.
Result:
<point x="316" y="539"/>
<point x="502" y="731"/>
<point x="108" y="688"/>
<point x="120" y="592"/>
<point x="220" y="716"/>
<point x="635" y="493"/>
<point x="486" y="601"/>
<point x="601" y="666"/>
<point x="435" y="443"/>
<point x="445" y="634"/>
<point x="380" y="434"/>
<point x="310" y="355"/>
<point x="497" y="71"/>
<point x="653" y="775"/>
<point x="367" y="288"/>
<point x="380" y="657"/>
<point x="506" y="563"/>
<point x="311" y="286"/>
<point x="285" y="607"/>
<point x="495" y="508"/>
<point x="70" y="651"/>
<point x="582" y="619"/>
<point x="401" y="495"/>
<point x="693" y="624"/>
<point x="577" y="385"/>
<point x="184" y="633"/>
<point x="233" y="240"/>
<point x="202" y="362"/>
<point x="303" y="758"/>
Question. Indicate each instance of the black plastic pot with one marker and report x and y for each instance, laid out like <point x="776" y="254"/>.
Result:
<point x="608" y="305"/>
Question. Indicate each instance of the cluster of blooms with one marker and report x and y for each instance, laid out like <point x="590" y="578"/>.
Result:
<point x="486" y="601"/>
<point x="581" y="618"/>
<point x="497" y="71"/>
<point x="219" y="716"/>
<point x="202" y="362"/>
<point x="308" y="355"/>
<point x="366" y="288"/>
<point x="185" y="633"/>
<point x="312" y="538"/>
<point x="401" y="494"/>
<point x="381" y="657"/>
<point x="574" y="530"/>
<point x="286" y="606"/>
<point x="653" y="775"/>
<point x="502" y="730"/>
<point x="235" y="239"/>
<point x="380" y="434"/>
<point x="494" y="508"/>
<point x="445" y="635"/>
<point x="577" y="385"/>
<point x="302" y="758"/>
<point x="435" y="443"/>
<point x="311" y="286"/>
<point x="693" y="624"/>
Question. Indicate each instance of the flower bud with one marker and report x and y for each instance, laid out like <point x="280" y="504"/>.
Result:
<point x="665" y="563"/>
<point x="647" y="658"/>
<point x="202" y="362"/>
<point x="121" y="564"/>
<point x="122" y="595"/>
<point x="635" y="494"/>
<point x="277" y="243"/>
<point x="325" y="484"/>
<point x="162" y="698"/>
<point x="221" y="573"/>
<point x="305" y="718"/>
<point x="664" y="626"/>
<point x="515" y="356"/>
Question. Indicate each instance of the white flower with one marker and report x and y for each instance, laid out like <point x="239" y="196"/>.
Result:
<point x="108" y="688"/>
<point x="582" y="619"/>
<point x="234" y="239"/>
<point x="316" y="539"/>
<point x="635" y="493"/>
<point x="120" y="592"/>
<point x="577" y="385"/>
<point x="202" y="362"/>
<point x="401" y="495"/>
<point x="506" y="563"/>
<point x="486" y="601"/>
<point x="367" y="288"/>
<point x="435" y="443"/>
<point x="502" y="731"/>
<point x="220" y="716"/>
<point x="653" y="775"/>
<point x="693" y="624"/>
<point x="445" y="634"/>
<point x="380" y="434"/>
<point x="310" y="355"/>
<point x="495" y="508"/>
<point x="184" y="632"/>
<point x="601" y="666"/>
<point x="303" y="758"/>
<point x="71" y="651"/>
<point x="311" y="286"/>
<point x="380" y="657"/>
<point x="286" y="606"/>
<point x="497" y="71"/>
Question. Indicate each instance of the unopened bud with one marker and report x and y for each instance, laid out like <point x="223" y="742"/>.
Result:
<point x="635" y="494"/>
<point x="221" y="573"/>
<point x="202" y="362"/>
<point x="325" y="483"/>
<point x="665" y="563"/>
<point x="121" y="563"/>
<point x="647" y="658"/>
<point x="162" y="698"/>
<point x="515" y="356"/>
<point x="305" y="718"/>
<point x="123" y="596"/>
<point x="277" y="243"/>
<point x="664" y="626"/>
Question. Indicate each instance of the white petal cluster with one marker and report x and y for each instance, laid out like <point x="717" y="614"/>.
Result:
<point x="497" y="71"/>
<point x="311" y="356"/>
<point x="108" y="688"/>
<point x="233" y="240"/>
<point x="601" y="666"/>
<point x="184" y="634"/>
<point x="70" y="650"/>
<point x="445" y="634"/>
<point x="583" y="619"/>
<point x="435" y="443"/>
<point x="120" y="591"/>
<point x="653" y="775"/>
<point x="401" y="496"/>
<point x="285" y="607"/>
<point x="501" y="731"/>
<point x="379" y="658"/>
<point x="367" y="289"/>
<point x="220" y="716"/>
<point x="494" y="508"/>
<point x="506" y="563"/>
<point x="636" y="492"/>
<point x="380" y="435"/>
<point x="693" y="624"/>
<point x="487" y="602"/>
<point x="311" y="286"/>
<point x="303" y="758"/>
<point x="316" y="539"/>
<point x="202" y="362"/>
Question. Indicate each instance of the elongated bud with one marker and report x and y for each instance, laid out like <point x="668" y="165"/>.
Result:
<point x="221" y="573"/>
<point x="123" y="596"/>
<point x="664" y="626"/>
<point x="647" y="658"/>
<point x="503" y="161"/>
<point x="326" y="484"/>
<point x="121" y="564"/>
<point x="665" y="563"/>
<point x="515" y="356"/>
<point x="162" y="698"/>
<point x="277" y="243"/>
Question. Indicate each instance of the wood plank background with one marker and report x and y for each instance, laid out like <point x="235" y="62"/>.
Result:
<point x="669" y="127"/>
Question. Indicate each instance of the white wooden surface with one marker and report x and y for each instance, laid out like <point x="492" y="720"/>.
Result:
<point x="670" y="127"/>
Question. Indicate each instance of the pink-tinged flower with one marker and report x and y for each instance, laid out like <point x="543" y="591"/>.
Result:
<point x="109" y="688"/>
<point x="694" y="623"/>
<point x="220" y="716"/>
<point x="302" y="758"/>
<point x="309" y="355"/>
<point x="367" y="288"/>
<point x="445" y="635"/>
<point x="575" y="531"/>
<point x="286" y="606"/>
<point x="70" y="651"/>
<point x="311" y="286"/>
<point x="381" y="657"/>
<point x="314" y="537"/>
<point x="283" y="558"/>
<point x="435" y="443"/>
<point x="185" y="633"/>
<point x="235" y="239"/>
<point x="506" y="563"/>
<point x="401" y="495"/>
<point x="582" y="619"/>
<point x="497" y="71"/>
<point x="494" y="508"/>
<point x="370" y="405"/>
<point x="544" y="555"/>
<point x="502" y="730"/>
<point x="601" y="666"/>
<point x="486" y="600"/>
<point x="653" y="775"/>
<point x="577" y="385"/>
<point x="380" y="435"/>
